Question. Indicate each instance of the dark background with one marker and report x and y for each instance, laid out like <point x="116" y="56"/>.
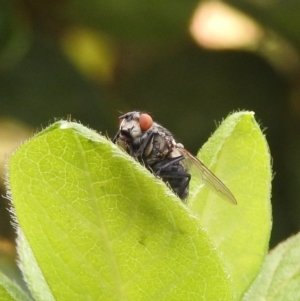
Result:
<point x="94" y="59"/>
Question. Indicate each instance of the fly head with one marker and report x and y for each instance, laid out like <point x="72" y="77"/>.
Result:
<point x="133" y="126"/>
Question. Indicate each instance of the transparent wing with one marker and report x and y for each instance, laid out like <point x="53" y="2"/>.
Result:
<point x="191" y="162"/>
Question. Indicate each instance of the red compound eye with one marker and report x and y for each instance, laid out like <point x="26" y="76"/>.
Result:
<point x="145" y="122"/>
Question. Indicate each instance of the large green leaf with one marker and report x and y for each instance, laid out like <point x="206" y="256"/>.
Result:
<point x="238" y="154"/>
<point x="280" y="275"/>
<point x="96" y="225"/>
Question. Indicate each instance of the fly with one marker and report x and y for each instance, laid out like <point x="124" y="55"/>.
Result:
<point x="155" y="148"/>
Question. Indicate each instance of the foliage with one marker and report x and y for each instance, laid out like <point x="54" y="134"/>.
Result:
<point x="93" y="59"/>
<point x="94" y="224"/>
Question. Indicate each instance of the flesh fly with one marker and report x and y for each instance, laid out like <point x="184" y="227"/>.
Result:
<point x="155" y="148"/>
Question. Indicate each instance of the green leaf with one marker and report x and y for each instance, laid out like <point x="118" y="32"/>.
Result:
<point x="99" y="226"/>
<point x="279" y="278"/>
<point x="10" y="291"/>
<point x="34" y="277"/>
<point x="238" y="154"/>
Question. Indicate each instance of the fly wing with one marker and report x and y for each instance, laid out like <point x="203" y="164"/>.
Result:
<point x="191" y="162"/>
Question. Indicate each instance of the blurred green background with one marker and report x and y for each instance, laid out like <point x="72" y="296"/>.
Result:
<point x="188" y="63"/>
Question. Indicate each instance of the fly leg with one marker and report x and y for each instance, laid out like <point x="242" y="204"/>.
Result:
<point x="139" y="153"/>
<point x="163" y="165"/>
<point x="175" y="175"/>
<point x="179" y="182"/>
<point x="131" y="149"/>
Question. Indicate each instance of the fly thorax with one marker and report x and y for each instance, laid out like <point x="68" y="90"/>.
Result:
<point x="161" y="146"/>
